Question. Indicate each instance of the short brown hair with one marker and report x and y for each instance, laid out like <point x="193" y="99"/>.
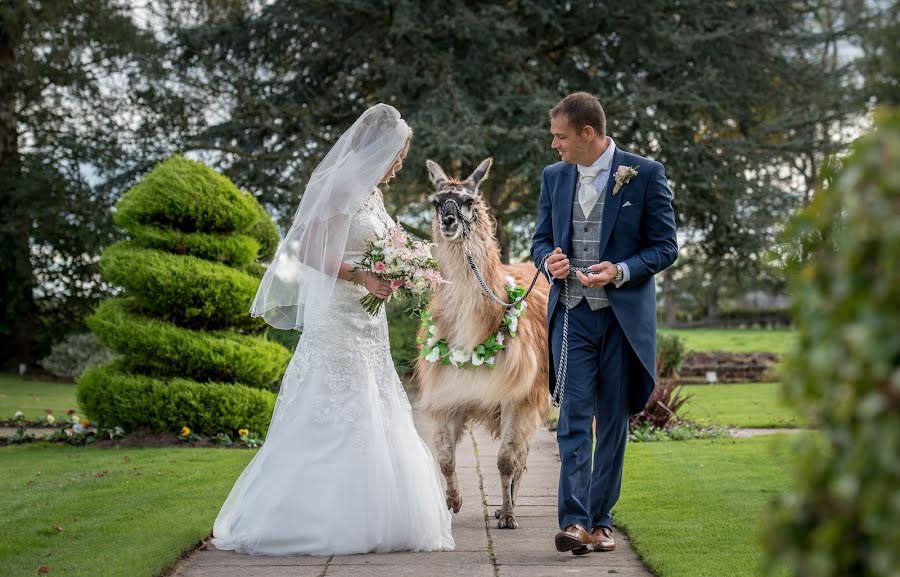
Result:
<point x="582" y="109"/>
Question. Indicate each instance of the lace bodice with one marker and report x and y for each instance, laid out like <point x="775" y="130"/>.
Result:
<point x="353" y="343"/>
<point x="369" y="221"/>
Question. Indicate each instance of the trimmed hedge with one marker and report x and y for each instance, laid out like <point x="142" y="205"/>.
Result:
<point x="182" y="289"/>
<point x="112" y="397"/>
<point x="189" y="196"/>
<point x="842" y="516"/>
<point x="183" y="326"/>
<point x="161" y="349"/>
<point x="265" y="233"/>
<point x="236" y="250"/>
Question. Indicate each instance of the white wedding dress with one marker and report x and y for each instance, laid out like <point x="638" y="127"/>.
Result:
<point x="342" y="469"/>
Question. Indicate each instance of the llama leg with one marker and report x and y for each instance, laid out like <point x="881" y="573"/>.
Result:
<point x="450" y="428"/>
<point x="517" y="476"/>
<point x="515" y="428"/>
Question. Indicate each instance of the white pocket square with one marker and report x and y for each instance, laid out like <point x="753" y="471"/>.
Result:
<point x="627" y="203"/>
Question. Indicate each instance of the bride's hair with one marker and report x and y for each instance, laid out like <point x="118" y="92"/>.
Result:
<point x="393" y="162"/>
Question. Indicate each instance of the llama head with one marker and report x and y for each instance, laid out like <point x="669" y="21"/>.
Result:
<point x="457" y="203"/>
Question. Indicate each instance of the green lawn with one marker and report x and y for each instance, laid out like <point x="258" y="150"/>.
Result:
<point x="735" y="340"/>
<point x="691" y="508"/>
<point x="751" y="405"/>
<point x="33" y="397"/>
<point x="130" y="512"/>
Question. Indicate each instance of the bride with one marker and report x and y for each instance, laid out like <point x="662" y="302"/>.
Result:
<point x="342" y="469"/>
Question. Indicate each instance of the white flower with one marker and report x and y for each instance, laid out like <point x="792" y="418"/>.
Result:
<point x="434" y="355"/>
<point x="510" y="281"/>
<point x="623" y="175"/>
<point x="119" y="430"/>
<point x="491" y="360"/>
<point x="459" y="357"/>
<point x="500" y="338"/>
<point x="18" y="415"/>
<point x="513" y="312"/>
<point x="431" y="330"/>
<point x="75" y="419"/>
<point x="430" y="341"/>
<point x="77" y="428"/>
<point x="51" y="419"/>
<point x="477" y="359"/>
<point x="513" y="325"/>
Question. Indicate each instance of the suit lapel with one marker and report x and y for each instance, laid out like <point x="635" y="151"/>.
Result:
<point x="613" y="203"/>
<point x="565" y="198"/>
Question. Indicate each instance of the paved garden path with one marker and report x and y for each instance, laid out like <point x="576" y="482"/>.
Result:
<point x="739" y="433"/>
<point x="482" y="550"/>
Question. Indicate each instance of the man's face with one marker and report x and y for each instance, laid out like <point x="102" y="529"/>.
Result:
<point x="571" y="146"/>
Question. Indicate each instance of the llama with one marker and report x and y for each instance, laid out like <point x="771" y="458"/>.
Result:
<point x="510" y="400"/>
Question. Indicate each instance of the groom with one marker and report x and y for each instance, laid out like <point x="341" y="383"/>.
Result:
<point x="611" y="211"/>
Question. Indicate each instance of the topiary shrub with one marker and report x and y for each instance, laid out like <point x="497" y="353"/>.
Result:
<point x="162" y="349"/>
<point x="188" y="351"/>
<point x="110" y="394"/>
<point x="842" y="516"/>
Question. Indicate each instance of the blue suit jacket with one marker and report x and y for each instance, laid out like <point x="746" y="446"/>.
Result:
<point x="642" y="235"/>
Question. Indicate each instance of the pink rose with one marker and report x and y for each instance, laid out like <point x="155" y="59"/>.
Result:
<point x="379" y="267"/>
<point x="396" y="283"/>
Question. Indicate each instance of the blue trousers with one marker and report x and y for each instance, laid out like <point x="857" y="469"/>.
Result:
<point x="596" y="386"/>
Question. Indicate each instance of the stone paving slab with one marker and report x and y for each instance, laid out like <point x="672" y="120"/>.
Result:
<point x="482" y="549"/>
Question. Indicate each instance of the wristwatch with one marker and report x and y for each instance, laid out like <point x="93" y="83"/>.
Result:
<point x="620" y="274"/>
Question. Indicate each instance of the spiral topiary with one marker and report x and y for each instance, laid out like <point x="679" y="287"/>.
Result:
<point x="190" y="353"/>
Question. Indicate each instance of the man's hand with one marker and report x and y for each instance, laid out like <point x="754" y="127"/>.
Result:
<point x="558" y="264"/>
<point x="603" y="274"/>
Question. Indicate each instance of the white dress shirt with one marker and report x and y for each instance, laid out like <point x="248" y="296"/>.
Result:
<point x="587" y="198"/>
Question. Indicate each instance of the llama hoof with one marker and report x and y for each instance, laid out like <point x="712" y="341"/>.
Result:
<point x="454" y="503"/>
<point x="507" y="522"/>
<point x="497" y="514"/>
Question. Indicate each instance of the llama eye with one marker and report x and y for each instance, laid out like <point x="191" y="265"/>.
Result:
<point x="468" y="202"/>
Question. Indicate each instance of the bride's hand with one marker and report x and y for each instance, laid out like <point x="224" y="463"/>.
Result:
<point x="375" y="284"/>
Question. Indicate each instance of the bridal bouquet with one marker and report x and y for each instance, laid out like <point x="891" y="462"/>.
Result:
<point x="407" y="264"/>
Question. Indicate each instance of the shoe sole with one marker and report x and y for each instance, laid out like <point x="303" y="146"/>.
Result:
<point x="602" y="549"/>
<point x="568" y="543"/>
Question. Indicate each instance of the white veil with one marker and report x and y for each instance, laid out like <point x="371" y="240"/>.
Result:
<point x="298" y="284"/>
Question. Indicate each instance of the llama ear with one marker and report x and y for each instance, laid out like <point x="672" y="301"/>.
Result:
<point x="436" y="174"/>
<point x="480" y="174"/>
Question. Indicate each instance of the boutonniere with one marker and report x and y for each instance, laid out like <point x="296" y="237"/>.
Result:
<point x="624" y="174"/>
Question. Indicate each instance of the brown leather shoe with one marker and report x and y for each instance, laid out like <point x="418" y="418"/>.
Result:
<point x="573" y="538"/>
<point x="602" y="539"/>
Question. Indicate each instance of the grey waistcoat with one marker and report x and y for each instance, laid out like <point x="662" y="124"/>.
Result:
<point x="586" y="251"/>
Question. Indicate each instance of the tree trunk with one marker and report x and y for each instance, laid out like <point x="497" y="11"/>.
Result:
<point x="16" y="276"/>
<point x="668" y="298"/>
<point x="503" y="241"/>
<point x="712" y="305"/>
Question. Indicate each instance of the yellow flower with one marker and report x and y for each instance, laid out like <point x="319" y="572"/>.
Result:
<point x="243" y="432"/>
<point x="85" y="422"/>
<point x="185" y="431"/>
